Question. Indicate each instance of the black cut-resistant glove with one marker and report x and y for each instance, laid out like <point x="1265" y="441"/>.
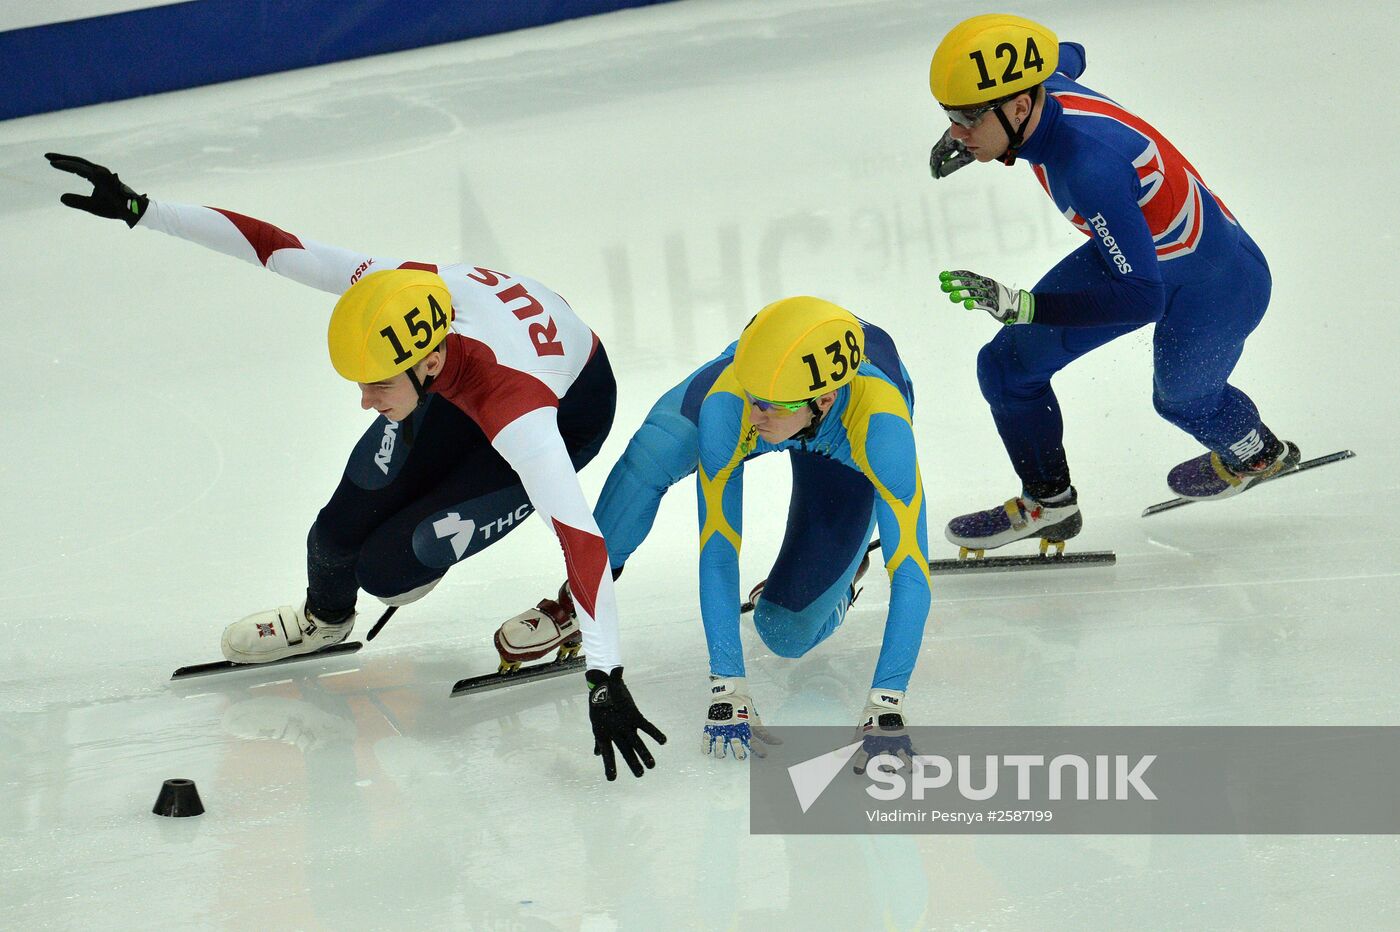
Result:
<point x="110" y="197"/>
<point x="616" y="721"/>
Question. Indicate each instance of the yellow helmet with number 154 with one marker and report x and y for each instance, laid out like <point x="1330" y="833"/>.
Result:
<point x="798" y="348"/>
<point x="387" y="322"/>
<point x="989" y="58"/>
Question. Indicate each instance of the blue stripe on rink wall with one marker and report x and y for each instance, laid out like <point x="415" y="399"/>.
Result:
<point x="104" y="58"/>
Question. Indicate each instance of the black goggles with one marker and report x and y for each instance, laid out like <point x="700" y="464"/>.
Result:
<point x="969" y="117"/>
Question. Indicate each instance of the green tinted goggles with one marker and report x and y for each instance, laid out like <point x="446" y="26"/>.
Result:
<point x="789" y="406"/>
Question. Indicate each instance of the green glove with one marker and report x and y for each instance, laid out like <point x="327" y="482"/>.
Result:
<point x="1007" y="305"/>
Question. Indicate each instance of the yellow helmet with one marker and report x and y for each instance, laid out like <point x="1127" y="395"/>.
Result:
<point x="988" y="58"/>
<point x="386" y="322"/>
<point x="798" y="348"/>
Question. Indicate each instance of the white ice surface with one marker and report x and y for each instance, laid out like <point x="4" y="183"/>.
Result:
<point x="171" y="427"/>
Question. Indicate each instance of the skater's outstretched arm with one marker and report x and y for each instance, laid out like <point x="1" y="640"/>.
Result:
<point x="327" y="268"/>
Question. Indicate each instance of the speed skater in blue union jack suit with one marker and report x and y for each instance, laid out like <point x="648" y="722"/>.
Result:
<point x="1162" y="249"/>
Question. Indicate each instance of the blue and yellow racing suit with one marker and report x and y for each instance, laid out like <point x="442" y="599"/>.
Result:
<point x="858" y="473"/>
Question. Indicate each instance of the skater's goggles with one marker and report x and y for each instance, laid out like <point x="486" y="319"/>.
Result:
<point x="968" y="117"/>
<point x="789" y="406"/>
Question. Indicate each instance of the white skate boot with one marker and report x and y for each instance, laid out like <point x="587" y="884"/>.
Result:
<point x="534" y="633"/>
<point x="281" y="632"/>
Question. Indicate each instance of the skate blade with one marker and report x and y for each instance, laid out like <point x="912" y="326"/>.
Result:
<point x="226" y="666"/>
<point x="543" y="671"/>
<point x="1304" y="466"/>
<point x="980" y="553"/>
<point x="1027" y="562"/>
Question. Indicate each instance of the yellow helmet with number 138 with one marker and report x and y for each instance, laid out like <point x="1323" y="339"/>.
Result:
<point x="797" y="349"/>
<point x="387" y="322"/>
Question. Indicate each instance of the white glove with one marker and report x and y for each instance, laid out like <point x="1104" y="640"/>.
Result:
<point x="731" y="722"/>
<point x="881" y="729"/>
<point x="1007" y="305"/>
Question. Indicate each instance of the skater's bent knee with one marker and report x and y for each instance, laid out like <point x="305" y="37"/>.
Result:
<point x="991" y="372"/>
<point x="398" y="600"/>
<point x="396" y="585"/>
<point x="1001" y="376"/>
<point x="784" y="632"/>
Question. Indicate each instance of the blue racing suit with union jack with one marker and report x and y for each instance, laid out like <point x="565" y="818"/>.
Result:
<point x="1162" y="249"/>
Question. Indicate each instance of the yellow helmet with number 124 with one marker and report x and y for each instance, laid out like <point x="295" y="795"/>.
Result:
<point x="798" y="348"/>
<point x="989" y="58"/>
<point x="387" y="322"/>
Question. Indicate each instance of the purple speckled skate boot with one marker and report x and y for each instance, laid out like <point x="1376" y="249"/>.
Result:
<point x="1208" y="477"/>
<point x="1017" y="519"/>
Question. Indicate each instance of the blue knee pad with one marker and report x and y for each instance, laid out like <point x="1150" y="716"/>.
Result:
<point x="790" y="632"/>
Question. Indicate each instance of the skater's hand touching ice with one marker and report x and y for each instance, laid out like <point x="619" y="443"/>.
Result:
<point x="881" y="730"/>
<point x="616" y="721"/>
<point x="731" y="722"/>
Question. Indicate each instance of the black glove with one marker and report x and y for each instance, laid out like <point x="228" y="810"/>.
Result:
<point x="110" y="198"/>
<point x="616" y="721"/>
<point x="948" y="155"/>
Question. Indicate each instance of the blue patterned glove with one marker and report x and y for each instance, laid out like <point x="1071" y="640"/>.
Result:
<point x="731" y="724"/>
